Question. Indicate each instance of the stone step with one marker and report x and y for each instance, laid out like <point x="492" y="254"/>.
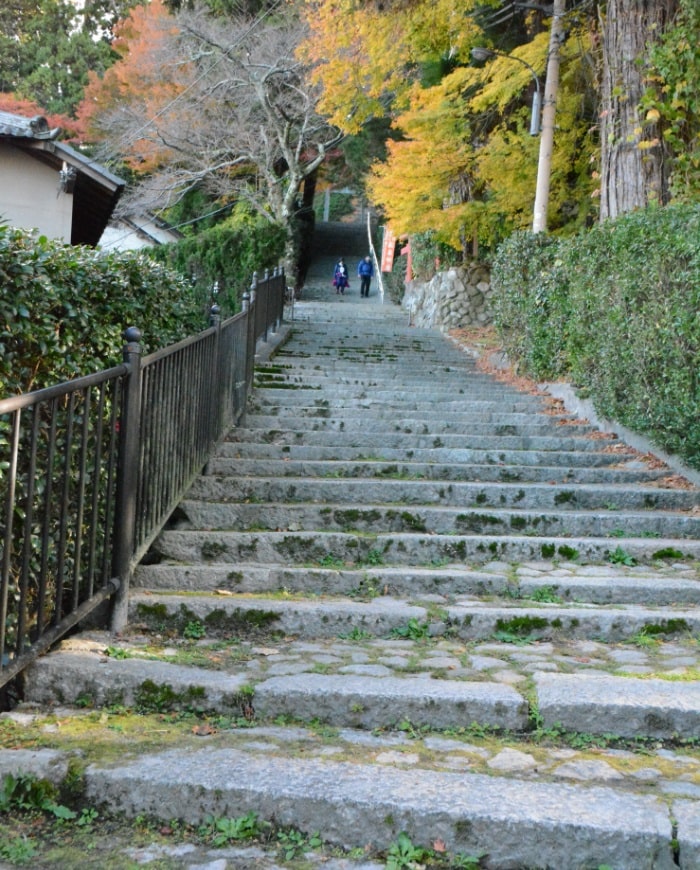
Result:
<point x="401" y="548"/>
<point x="631" y="472"/>
<point x="380" y="519"/>
<point x="598" y="704"/>
<point x="392" y="440"/>
<point x="89" y="673"/>
<point x="99" y="680"/>
<point x="405" y="402"/>
<point x="470" y="620"/>
<point x="372" y="491"/>
<point x="377" y="385"/>
<point x="92" y="672"/>
<point x="516" y="823"/>
<point x="370" y="451"/>
<point x="595" y="584"/>
<point x="315" y="419"/>
<point x="365" y="702"/>
<point x="383" y="702"/>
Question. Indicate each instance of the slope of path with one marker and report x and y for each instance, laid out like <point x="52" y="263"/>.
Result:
<point x="386" y="637"/>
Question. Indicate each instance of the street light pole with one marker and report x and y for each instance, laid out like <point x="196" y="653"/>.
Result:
<point x="544" y="165"/>
<point x="480" y="53"/>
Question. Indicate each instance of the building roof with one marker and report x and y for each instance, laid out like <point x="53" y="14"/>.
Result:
<point x="95" y="189"/>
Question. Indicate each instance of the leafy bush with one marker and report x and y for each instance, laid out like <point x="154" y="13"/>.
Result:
<point x="227" y="254"/>
<point x="63" y="309"/>
<point x="428" y="254"/>
<point x="616" y="312"/>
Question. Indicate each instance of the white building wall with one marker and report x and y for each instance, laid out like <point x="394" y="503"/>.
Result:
<point x="30" y="197"/>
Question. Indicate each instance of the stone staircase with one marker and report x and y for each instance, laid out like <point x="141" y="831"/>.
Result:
<point x="408" y="605"/>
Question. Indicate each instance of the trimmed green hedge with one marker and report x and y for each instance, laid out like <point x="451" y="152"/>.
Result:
<point x="63" y="309"/>
<point x="228" y="253"/>
<point x="617" y="312"/>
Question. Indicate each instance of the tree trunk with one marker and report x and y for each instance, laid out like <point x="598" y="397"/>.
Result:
<point x="632" y="177"/>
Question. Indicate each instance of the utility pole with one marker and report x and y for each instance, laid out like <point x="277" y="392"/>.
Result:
<point x="544" y="166"/>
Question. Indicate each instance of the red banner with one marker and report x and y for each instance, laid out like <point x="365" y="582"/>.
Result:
<point x="388" y="247"/>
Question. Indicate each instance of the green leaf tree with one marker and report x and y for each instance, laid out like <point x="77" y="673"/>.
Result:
<point x="48" y="48"/>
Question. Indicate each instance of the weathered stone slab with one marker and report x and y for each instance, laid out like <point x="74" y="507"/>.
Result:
<point x="397" y="548"/>
<point x="446" y="520"/>
<point x="373" y="491"/>
<point x="48" y="764"/>
<point x="687" y="816"/>
<point x="228" y="463"/>
<point x="624" y="706"/>
<point x="518" y="824"/>
<point x="65" y="677"/>
<point x="366" y="702"/>
<point x="304" y="618"/>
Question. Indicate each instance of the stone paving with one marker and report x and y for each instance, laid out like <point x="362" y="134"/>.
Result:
<point x="363" y="699"/>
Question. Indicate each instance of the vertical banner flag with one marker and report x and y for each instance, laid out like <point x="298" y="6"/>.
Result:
<point x="409" y="261"/>
<point x="388" y="246"/>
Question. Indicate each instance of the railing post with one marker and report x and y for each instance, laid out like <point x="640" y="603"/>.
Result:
<point x="127" y="479"/>
<point x="280" y="298"/>
<point x="266" y="300"/>
<point x="251" y="337"/>
<point x="215" y="406"/>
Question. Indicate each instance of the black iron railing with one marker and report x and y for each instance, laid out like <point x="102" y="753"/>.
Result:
<point x="90" y="470"/>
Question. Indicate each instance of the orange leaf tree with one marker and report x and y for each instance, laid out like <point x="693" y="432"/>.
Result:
<point x="222" y="104"/>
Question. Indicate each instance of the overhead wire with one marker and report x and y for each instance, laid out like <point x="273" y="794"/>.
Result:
<point x="127" y="139"/>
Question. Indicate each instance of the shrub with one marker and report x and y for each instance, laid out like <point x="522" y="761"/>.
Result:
<point x="63" y="309"/>
<point x="614" y="310"/>
<point x="228" y="254"/>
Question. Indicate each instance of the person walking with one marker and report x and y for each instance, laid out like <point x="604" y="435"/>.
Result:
<point x="340" y="277"/>
<point x="365" y="272"/>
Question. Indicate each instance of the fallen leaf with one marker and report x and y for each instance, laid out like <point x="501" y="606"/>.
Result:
<point x="439" y="846"/>
<point x="203" y="730"/>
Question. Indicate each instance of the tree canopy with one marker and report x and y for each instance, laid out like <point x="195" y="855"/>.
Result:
<point x="222" y="104"/>
<point x="47" y="48"/>
<point x="235" y="99"/>
<point x="462" y="163"/>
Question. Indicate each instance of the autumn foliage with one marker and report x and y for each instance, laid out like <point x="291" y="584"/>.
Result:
<point x="145" y="82"/>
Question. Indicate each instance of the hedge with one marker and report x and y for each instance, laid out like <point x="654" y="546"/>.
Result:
<point x="63" y="309"/>
<point x="227" y="254"/>
<point x="616" y="311"/>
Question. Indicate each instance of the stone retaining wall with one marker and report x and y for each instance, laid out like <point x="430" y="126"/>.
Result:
<point x="457" y="297"/>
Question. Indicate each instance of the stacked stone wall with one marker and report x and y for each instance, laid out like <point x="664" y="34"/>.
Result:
<point x="457" y="297"/>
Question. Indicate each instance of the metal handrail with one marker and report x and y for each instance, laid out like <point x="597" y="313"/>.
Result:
<point x="91" y="469"/>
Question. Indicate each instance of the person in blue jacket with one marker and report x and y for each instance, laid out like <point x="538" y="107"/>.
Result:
<point x="365" y="272"/>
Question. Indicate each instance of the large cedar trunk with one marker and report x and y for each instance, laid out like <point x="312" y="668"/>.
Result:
<point x="632" y="177"/>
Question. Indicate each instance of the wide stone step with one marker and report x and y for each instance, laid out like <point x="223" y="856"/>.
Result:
<point x="251" y="616"/>
<point x="424" y="493"/>
<point x="379" y="519"/>
<point x="632" y="472"/>
<point x="408" y="549"/>
<point x="516" y="823"/>
<point x="377" y="386"/>
<point x="100" y="680"/>
<point x="97" y="671"/>
<point x="324" y="420"/>
<point x="509" y="460"/>
<point x="97" y="681"/>
<point x="410" y="441"/>
<point x="600" y="704"/>
<point x="379" y="702"/>
<point x="593" y="584"/>
<point x="406" y="403"/>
